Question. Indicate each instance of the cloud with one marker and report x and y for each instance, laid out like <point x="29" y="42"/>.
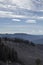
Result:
<point x="6" y="14"/>
<point x="31" y="21"/>
<point x="37" y="5"/>
<point x="16" y="20"/>
<point x="40" y="31"/>
<point x="15" y="6"/>
<point x="25" y="11"/>
<point x="30" y="18"/>
<point x="8" y="7"/>
<point x="23" y="4"/>
<point x="2" y="6"/>
<point x="1" y="0"/>
<point x="27" y="4"/>
<point x="40" y="10"/>
<point x="40" y="18"/>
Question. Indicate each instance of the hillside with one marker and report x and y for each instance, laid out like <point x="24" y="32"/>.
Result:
<point x="27" y="53"/>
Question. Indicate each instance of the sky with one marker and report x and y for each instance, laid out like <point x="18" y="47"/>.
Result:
<point x="21" y="16"/>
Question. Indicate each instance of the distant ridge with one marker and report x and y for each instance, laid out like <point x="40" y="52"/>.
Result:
<point x="39" y="41"/>
<point x="34" y="38"/>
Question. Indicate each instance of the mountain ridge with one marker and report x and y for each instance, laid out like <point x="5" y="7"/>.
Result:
<point x="24" y="36"/>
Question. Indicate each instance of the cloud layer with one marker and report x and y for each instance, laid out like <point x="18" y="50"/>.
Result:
<point x="22" y="12"/>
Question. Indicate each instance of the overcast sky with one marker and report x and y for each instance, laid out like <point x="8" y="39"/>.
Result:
<point x="21" y="16"/>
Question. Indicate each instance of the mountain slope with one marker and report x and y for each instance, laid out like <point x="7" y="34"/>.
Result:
<point x="27" y="54"/>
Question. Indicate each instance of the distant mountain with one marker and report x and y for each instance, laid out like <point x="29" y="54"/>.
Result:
<point x="39" y="41"/>
<point x="34" y="38"/>
<point x="28" y="36"/>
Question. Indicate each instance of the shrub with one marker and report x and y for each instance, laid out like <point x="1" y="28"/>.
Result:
<point x="32" y="44"/>
<point x="38" y="61"/>
<point x="0" y="40"/>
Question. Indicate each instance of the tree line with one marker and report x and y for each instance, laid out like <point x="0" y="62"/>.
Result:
<point x="7" y="53"/>
<point x="18" y="40"/>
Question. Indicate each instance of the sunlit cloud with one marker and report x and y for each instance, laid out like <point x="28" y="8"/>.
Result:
<point x="40" y="18"/>
<point x="16" y="20"/>
<point x="40" y="31"/>
<point x="31" y="21"/>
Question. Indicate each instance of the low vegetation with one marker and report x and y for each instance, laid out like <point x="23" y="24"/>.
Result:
<point x="38" y="61"/>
